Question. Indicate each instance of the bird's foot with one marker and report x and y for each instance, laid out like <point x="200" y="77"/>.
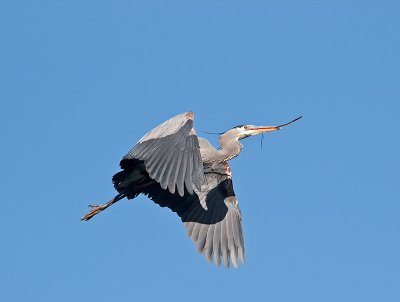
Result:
<point x="96" y="209"/>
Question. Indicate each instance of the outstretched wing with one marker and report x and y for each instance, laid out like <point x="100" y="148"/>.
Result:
<point x="171" y="155"/>
<point x="211" y="216"/>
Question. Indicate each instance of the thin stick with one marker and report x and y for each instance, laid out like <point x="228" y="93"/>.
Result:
<point x="96" y="209"/>
<point x="296" y="119"/>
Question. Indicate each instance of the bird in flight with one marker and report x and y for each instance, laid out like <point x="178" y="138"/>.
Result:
<point x="177" y="169"/>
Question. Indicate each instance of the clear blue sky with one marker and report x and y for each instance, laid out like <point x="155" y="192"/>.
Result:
<point x="82" y="81"/>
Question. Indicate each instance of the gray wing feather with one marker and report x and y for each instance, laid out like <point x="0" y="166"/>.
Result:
<point x="189" y="228"/>
<point x="202" y="237"/>
<point x="181" y="175"/>
<point x="231" y="243"/>
<point x="208" y="249"/>
<point x="188" y="176"/>
<point x="163" y="169"/>
<point x="229" y="234"/>
<point x="173" y="179"/>
<point x="160" y="149"/>
<point x="209" y="240"/>
<point x="166" y="170"/>
<point x="224" y="243"/>
<point x="217" y="244"/>
<point x="196" y="231"/>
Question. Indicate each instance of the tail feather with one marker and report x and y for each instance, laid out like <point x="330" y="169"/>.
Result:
<point x="130" y="179"/>
<point x="119" y="177"/>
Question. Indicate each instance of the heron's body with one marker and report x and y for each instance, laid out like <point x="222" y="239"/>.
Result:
<point x="187" y="174"/>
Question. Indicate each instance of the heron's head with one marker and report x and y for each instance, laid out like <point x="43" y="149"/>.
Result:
<point x="243" y="131"/>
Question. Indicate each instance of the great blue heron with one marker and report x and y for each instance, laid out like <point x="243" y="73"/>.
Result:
<point x="177" y="169"/>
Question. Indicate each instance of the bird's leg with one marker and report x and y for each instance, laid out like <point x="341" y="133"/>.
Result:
<point x="96" y="209"/>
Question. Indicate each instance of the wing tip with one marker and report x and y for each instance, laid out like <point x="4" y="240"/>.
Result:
<point x="189" y="115"/>
<point x="241" y="254"/>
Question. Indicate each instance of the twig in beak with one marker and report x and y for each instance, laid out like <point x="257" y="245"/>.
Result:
<point x="296" y="119"/>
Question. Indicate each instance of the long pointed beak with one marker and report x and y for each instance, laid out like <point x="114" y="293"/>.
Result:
<point x="262" y="129"/>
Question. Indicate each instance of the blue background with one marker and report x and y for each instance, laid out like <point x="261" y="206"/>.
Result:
<point x="82" y="81"/>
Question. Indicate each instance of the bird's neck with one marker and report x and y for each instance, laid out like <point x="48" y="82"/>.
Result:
<point x="230" y="148"/>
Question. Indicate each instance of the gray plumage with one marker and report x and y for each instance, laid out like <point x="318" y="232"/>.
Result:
<point x="170" y="147"/>
<point x="178" y="170"/>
